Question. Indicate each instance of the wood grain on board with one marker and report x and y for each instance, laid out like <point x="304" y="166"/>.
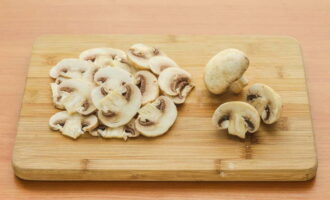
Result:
<point x="193" y="149"/>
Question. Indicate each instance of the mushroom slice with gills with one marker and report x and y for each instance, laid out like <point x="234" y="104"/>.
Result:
<point x="238" y="117"/>
<point x="72" y="125"/>
<point x="122" y="132"/>
<point x="112" y="75"/>
<point x="159" y="63"/>
<point x="75" y="96"/>
<point x="108" y="61"/>
<point x="148" y="85"/>
<point x="94" y="53"/>
<point x="156" y="118"/>
<point x="224" y="69"/>
<point x="73" y="68"/>
<point x="267" y="102"/>
<point x="139" y="55"/>
<point x="176" y="83"/>
<point x="117" y="106"/>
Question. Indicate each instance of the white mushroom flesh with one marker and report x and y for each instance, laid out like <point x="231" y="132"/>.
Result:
<point x="94" y="53"/>
<point x="156" y="118"/>
<point x="73" y="68"/>
<point x="139" y="55"/>
<point x="238" y="117"/>
<point x="176" y="83"/>
<point x="148" y="85"/>
<point x="75" y="96"/>
<point x="266" y="101"/>
<point x="72" y="125"/>
<point x="122" y="132"/>
<point x="159" y="63"/>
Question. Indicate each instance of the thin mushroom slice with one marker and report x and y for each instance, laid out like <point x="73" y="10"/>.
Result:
<point x="73" y="68"/>
<point x="156" y="118"/>
<point x="112" y="75"/>
<point x="139" y="55"/>
<point x="267" y="102"/>
<point x="176" y="83"/>
<point x="72" y="125"/>
<point x="123" y="132"/>
<point x="148" y="85"/>
<point x="94" y="53"/>
<point x="159" y="63"/>
<point x="123" y="63"/>
<point x="224" y="69"/>
<point x="75" y="96"/>
<point x="117" y="106"/>
<point x="238" y="117"/>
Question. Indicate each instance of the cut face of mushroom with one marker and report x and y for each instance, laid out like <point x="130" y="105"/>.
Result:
<point x="93" y="54"/>
<point x="267" y="102"/>
<point x="109" y="61"/>
<point x="148" y="85"/>
<point x="73" y="68"/>
<point x="112" y="75"/>
<point x="117" y="106"/>
<point x="72" y="125"/>
<point x="238" y="117"/>
<point x="139" y="55"/>
<point x="224" y="69"/>
<point x="74" y="95"/>
<point x="122" y="132"/>
<point x="159" y="63"/>
<point x="156" y="118"/>
<point x="176" y="83"/>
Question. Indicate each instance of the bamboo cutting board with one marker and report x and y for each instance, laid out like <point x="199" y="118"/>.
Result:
<point x="193" y="150"/>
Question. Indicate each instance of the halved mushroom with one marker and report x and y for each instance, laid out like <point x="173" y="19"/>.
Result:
<point x="94" y="53"/>
<point x="267" y="102"/>
<point x="139" y="55"/>
<point x="224" y="69"/>
<point x="112" y="75"/>
<point x="159" y="63"/>
<point x="72" y="125"/>
<point x="117" y="106"/>
<point x="148" y="85"/>
<point x="74" y="95"/>
<point x="73" y="68"/>
<point x="122" y="132"/>
<point x="238" y="117"/>
<point x="156" y="118"/>
<point x="176" y="83"/>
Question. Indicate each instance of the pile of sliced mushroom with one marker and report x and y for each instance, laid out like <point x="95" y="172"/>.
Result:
<point x="112" y="94"/>
<point x="225" y="72"/>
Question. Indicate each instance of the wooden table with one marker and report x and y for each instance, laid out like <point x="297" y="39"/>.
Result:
<point x="21" y="22"/>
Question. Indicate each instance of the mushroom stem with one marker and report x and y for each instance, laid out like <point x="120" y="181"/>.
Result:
<point x="237" y="86"/>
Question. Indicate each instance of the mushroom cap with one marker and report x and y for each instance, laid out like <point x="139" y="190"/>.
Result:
<point x="159" y="63"/>
<point x="156" y="118"/>
<point x="175" y="82"/>
<point x="75" y="96"/>
<point x="92" y="54"/>
<point x="72" y="125"/>
<point x="148" y="85"/>
<point x="123" y="132"/>
<point x="73" y="68"/>
<point x="238" y="117"/>
<point x="267" y="102"/>
<point x="112" y="75"/>
<point x="117" y="106"/>
<point x="139" y="55"/>
<point x="223" y="69"/>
